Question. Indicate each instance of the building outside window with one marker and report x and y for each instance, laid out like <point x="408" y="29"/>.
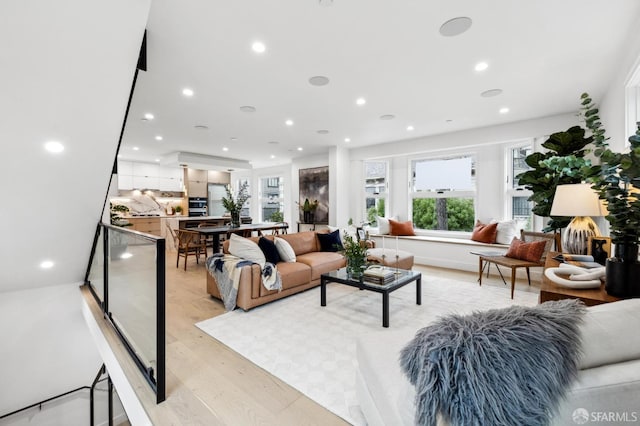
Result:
<point x="518" y="207"/>
<point x="271" y="199"/>
<point x="375" y="190"/>
<point x="443" y="193"/>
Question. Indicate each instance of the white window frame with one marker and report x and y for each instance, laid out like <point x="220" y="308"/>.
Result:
<point x="384" y="195"/>
<point x="632" y="100"/>
<point x="510" y="190"/>
<point x="261" y="197"/>
<point x="437" y="194"/>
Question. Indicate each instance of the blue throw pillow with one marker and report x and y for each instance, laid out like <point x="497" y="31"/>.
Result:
<point x="330" y="241"/>
<point x="269" y="249"/>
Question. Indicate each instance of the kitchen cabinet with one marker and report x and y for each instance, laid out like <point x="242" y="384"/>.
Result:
<point x="133" y="175"/>
<point x="148" y="225"/>
<point x="197" y="183"/>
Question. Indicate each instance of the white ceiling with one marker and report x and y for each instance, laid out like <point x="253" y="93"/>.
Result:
<point x="543" y="54"/>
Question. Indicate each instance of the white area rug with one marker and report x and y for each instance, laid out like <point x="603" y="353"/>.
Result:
<point x="312" y="348"/>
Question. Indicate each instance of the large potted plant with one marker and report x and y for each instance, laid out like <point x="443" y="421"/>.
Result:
<point x="619" y="186"/>
<point x="233" y="204"/>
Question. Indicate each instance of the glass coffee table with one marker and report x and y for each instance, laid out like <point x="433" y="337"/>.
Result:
<point x="400" y="279"/>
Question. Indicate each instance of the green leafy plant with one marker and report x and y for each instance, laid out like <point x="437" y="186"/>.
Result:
<point x="308" y="206"/>
<point x="177" y="209"/>
<point x="233" y="204"/>
<point x="619" y="185"/>
<point x="276" y="217"/>
<point x="355" y="253"/>
<point x="563" y="163"/>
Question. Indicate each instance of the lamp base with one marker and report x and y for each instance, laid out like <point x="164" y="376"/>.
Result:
<point x="577" y="233"/>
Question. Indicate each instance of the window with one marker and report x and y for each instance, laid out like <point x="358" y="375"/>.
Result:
<point x="271" y="199"/>
<point x="443" y="193"/>
<point x="518" y="207"/>
<point x="375" y="190"/>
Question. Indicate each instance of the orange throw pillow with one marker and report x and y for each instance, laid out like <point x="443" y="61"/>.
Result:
<point x="531" y="252"/>
<point x="401" y="228"/>
<point x="485" y="233"/>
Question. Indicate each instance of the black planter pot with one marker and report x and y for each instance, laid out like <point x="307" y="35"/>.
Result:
<point x="623" y="272"/>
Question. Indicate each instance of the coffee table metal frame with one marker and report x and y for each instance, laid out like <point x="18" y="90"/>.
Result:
<point x="402" y="278"/>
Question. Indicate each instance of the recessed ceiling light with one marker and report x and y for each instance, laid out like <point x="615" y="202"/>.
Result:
<point x="273" y="156"/>
<point x="157" y="160"/>
<point x="158" y="138"/>
<point x="187" y="92"/>
<point x="258" y="47"/>
<point x="361" y="101"/>
<point x="504" y="110"/>
<point x="409" y="128"/>
<point x="319" y="80"/>
<point x="491" y="93"/>
<point x="455" y="26"/>
<point x="54" y="147"/>
<point x="347" y="140"/>
<point x="299" y="148"/>
<point x="387" y="117"/>
<point x="323" y="132"/>
<point x="481" y="66"/>
<point x="46" y="264"/>
<point x="149" y="116"/>
<point x="248" y="108"/>
<point x="135" y="148"/>
<point x="224" y="148"/>
<point x="289" y="122"/>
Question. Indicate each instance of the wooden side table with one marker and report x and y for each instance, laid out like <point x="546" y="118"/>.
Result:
<point x="551" y="291"/>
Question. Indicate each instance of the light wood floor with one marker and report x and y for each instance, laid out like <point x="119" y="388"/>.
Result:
<point x="210" y="384"/>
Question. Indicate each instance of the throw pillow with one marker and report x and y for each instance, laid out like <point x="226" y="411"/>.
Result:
<point x="330" y="241"/>
<point x="246" y="249"/>
<point x="531" y="252"/>
<point x="485" y="233"/>
<point x="383" y="225"/>
<point x="269" y="249"/>
<point x="507" y="230"/>
<point x="285" y="250"/>
<point x="401" y="228"/>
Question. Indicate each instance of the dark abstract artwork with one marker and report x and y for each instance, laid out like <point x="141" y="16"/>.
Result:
<point x="314" y="185"/>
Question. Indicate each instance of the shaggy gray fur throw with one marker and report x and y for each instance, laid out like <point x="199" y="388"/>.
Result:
<point x="500" y="367"/>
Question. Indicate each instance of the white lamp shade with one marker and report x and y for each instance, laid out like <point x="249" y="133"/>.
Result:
<point x="577" y="200"/>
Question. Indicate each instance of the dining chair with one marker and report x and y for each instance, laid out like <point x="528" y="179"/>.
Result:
<point x="552" y="241"/>
<point x="189" y="242"/>
<point x="209" y="239"/>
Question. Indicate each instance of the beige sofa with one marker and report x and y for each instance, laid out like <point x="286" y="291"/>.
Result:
<point x="296" y="276"/>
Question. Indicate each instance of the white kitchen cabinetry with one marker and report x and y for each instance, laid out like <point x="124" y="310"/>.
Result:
<point x="133" y="175"/>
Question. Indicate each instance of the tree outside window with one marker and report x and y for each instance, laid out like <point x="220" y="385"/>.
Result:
<point x="375" y="188"/>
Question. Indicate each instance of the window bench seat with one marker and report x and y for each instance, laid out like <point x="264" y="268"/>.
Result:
<point x="443" y="252"/>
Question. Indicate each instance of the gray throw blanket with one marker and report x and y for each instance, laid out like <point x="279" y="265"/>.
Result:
<point x="226" y="269"/>
<point x="500" y="367"/>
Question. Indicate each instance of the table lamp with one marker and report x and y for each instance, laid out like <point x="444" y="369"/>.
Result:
<point x="582" y="202"/>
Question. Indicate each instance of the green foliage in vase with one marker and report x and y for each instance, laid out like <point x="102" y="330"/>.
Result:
<point x="355" y="252"/>
<point x="233" y="204"/>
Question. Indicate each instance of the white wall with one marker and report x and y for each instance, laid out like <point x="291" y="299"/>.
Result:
<point x="47" y="349"/>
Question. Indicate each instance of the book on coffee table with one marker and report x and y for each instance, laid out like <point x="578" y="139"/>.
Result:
<point x="379" y="274"/>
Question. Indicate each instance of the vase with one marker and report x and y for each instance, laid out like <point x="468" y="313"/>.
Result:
<point x="235" y="219"/>
<point x="355" y="267"/>
<point x="622" y="272"/>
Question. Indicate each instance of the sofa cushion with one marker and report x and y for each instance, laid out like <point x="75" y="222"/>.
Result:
<point x="609" y="333"/>
<point x="269" y="249"/>
<point x="330" y="241"/>
<point x="246" y="249"/>
<point x="292" y="274"/>
<point x="322" y="262"/>
<point x="302" y="242"/>
<point x="285" y="250"/>
<point x="507" y="230"/>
